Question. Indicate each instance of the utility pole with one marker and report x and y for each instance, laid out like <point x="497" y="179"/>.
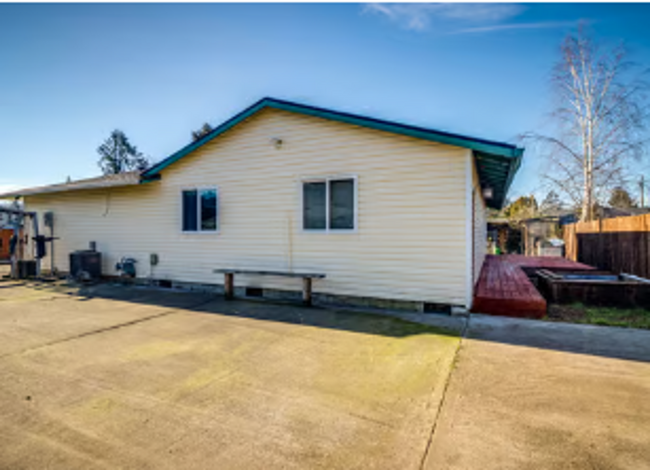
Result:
<point x="642" y="190"/>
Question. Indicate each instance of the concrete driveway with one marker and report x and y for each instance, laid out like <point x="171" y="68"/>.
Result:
<point x="136" y="378"/>
<point x="528" y="394"/>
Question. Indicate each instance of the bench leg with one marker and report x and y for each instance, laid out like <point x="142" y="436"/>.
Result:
<point x="306" y="291"/>
<point x="229" y="286"/>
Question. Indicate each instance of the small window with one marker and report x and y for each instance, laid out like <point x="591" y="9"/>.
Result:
<point x="314" y="206"/>
<point x="190" y="212"/>
<point x="200" y="210"/>
<point x="329" y="204"/>
<point x="208" y="209"/>
<point x="342" y="204"/>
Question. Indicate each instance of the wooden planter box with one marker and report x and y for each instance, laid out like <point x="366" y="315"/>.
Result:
<point x="594" y="288"/>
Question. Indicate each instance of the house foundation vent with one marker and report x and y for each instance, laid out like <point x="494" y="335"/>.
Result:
<point x="254" y="292"/>
<point x="164" y="283"/>
<point x="428" y="307"/>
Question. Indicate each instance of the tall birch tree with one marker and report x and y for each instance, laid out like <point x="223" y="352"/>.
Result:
<point x="598" y="122"/>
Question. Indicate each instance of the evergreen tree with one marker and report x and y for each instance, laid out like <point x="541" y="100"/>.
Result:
<point x="621" y="199"/>
<point x="523" y="208"/>
<point x="118" y="155"/>
<point x="202" y="132"/>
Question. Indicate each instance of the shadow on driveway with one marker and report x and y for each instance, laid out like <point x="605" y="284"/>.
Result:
<point x="393" y="325"/>
<point x="611" y="342"/>
<point x="605" y="341"/>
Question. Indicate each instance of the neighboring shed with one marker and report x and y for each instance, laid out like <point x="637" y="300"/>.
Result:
<point x="503" y="236"/>
<point x="5" y="237"/>
<point x="541" y="234"/>
<point x="6" y="232"/>
<point x="536" y="231"/>
<point x="394" y="215"/>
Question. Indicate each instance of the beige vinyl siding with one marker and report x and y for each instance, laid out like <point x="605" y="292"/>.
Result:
<point x="479" y="226"/>
<point x="410" y="243"/>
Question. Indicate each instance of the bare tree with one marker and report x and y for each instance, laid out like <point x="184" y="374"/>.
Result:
<point x="599" y="121"/>
<point x="551" y="203"/>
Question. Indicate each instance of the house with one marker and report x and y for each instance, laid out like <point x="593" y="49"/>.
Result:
<point x="388" y="212"/>
<point x="536" y="233"/>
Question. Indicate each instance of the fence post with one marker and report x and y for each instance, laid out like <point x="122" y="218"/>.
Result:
<point x="647" y="246"/>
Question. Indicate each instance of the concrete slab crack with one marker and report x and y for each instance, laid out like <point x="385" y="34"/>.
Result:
<point x="444" y="394"/>
<point x="108" y="328"/>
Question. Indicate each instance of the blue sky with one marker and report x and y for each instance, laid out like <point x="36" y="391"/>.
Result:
<point x="69" y="74"/>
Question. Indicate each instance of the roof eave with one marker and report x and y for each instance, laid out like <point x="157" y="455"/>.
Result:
<point x="512" y="171"/>
<point x="67" y="187"/>
<point x="497" y="172"/>
<point x="480" y="145"/>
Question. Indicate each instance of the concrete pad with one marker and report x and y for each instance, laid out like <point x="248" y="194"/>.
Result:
<point x="32" y="314"/>
<point x="532" y="395"/>
<point x="223" y="385"/>
<point x="612" y="342"/>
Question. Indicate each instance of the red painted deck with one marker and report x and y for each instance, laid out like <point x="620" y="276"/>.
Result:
<point x="504" y="289"/>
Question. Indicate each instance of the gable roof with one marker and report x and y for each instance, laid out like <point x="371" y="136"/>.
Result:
<point x="496" y="162"/>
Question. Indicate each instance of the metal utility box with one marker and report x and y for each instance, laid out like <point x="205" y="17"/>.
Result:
<point x="26" y="269"/>
<point x="86" y="265"/>
<point x="48" y="219"/>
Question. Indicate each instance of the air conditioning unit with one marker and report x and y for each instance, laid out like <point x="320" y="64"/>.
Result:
<point x="86" y="265"/>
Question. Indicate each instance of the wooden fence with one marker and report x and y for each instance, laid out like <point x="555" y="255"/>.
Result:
<point x="619" y="245"/>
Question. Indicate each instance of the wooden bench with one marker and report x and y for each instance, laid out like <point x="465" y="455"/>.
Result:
<point x="229" y="280"/>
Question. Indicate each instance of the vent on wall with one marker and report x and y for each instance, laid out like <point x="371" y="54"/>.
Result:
<point x="429" y="307"/>
<point x="254" y="292"/>
<point x="165" y="283"/>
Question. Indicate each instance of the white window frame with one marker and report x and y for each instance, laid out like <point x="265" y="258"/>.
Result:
<point x="199" y="230"/>
<point x="326" y="180"/>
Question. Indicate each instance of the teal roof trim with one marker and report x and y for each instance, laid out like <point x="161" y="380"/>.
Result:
<point x="497" y="173"/>
<point x="486" y="148"/>
<point x="232" y="122"/>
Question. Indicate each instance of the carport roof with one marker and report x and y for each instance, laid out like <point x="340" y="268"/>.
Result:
<point x="130" y="178"/>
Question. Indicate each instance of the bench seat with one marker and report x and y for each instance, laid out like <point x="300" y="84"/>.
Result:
<point x="269" y="273"/>
<point x="229" y="280"/>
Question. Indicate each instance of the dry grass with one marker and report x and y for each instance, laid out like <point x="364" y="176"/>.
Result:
<point x="606" y="316"/>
